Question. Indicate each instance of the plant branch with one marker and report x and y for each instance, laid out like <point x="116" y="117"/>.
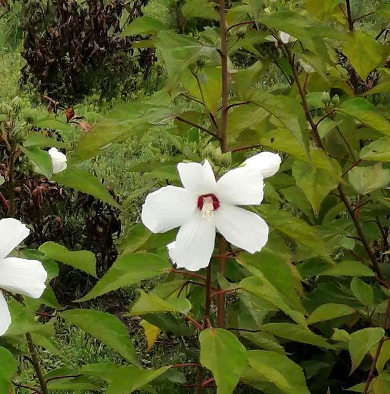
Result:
<point x="245" y="148"/>
<point x="192" y="274"/>
<point x="302" y="93"/>
<point x="225" y="77"/>
<point x="219" y="292"/>
<point x="4" y="201"/>
<point x="62" y="377"/>
<point x="22" y="386"/>
<point x="349" y="15"/>
<point x="319" y="143"/>
<point x="239" y="24"/>
<point x="197" y="126"/>
<point x="378" y="350"/>
<point x="194" y="322"/>
<point x="36" y="363"/>
<point x="11" y="183"/>
<point x="364" y="16"/>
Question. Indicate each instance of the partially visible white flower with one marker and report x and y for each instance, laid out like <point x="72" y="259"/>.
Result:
<point x="266" y="163"/>
<point x="307" y="67"/>
<point x="286" y="38"/>
<point x="203" y="206"/>
<point x="58" y="160"/>
<point x="17" y="275"/>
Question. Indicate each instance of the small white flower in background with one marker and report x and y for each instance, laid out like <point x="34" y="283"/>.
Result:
<point x="17" y="275"/>
<point x="58" y="160"/>
<point x="307" y="67"/>
<point x="266" y="163"/>
<point x="286" y="38"/>
<point x="203" y="206"/>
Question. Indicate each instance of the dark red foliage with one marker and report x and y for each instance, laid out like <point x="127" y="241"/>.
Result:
<point x="66" y="43"/>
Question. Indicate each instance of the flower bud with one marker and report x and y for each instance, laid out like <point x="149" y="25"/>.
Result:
<point x="58" y="160"/>
<point x="326" y="98"/>
<point x="266" y="163"/>
<point x="336" y="100"/>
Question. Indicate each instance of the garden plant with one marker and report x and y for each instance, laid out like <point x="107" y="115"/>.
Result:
<point x="256" y="236"/>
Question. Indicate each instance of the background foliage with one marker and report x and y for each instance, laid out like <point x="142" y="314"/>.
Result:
<point x="128" y="90"/>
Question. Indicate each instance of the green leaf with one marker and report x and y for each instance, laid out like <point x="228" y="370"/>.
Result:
<point x="294" y="228"/>
<point x="37" y="139"/>
<point x="7" y="370"/>
<point x="199" y="9"/>
<point x="170" y="323"/>
<point x="348" y="268"/>
<point x="137" y="237"/>
<point x="73" y="384"/>
<point x="127" y="270"/>
<point x="152" y="303"/>
<point x="384" y="356"/>
<point x="365" y="112"/>
<point x="367" y="179"/>
<point x="262" y="288"/>
<point x="55" y="124"/>
<point x="143" y="25"/>
<point x="83" y="260"/>
<point x="321" y="9"/>
<point x="286" y="110"/>
<point x="329" y="312"/>
<point x="165" y="172"/>
<point x="364" y="53"/>
<point x="283" y="140"/>
<point x="256" y="6"/>
<point x="205" y="86"/>
<point x="40" y="160"/>
<point x="104" y="327"/>
<point x="278" y="270"/>
<point x="314" y="182"/>
<point x="85" y="182"/>
<point x="362" y="291"/>
<point x="125" y="121"/>
<point x="279" y="370"/>
<point x="244" y="116"/>
<point x="296" y="333"/>
<point x="361" y="343"/>
<point x="178" y="52"/>
<point x="378" y="150"/>
<point x="225" y="356"/>
<point x="122" y="379"/>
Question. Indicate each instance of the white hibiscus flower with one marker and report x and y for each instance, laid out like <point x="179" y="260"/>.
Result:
<point x="203" y="206"/>
<point x="17" y="275"/>
<point x="58" y="160"/>
<point x="286" y="38"/>
<point x="266" y="163"/>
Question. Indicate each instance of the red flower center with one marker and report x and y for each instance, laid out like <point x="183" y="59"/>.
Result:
<point x="208" y="199"/>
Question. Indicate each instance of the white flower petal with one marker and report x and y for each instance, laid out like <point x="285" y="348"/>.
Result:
<point x="167" y="208"/>
<point x="286" y="38"/>
<point x="22" y="276"/>
<point x="12" y="233"/>
<point x="197" y="178"/>
<point x="266" y="163"/>
<point x="242" y="228"/>
<point x="241" y="186"/>
<point x="58" y="160"/>
<point x="5" y="317"/>
<point x="194" y="244"/>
